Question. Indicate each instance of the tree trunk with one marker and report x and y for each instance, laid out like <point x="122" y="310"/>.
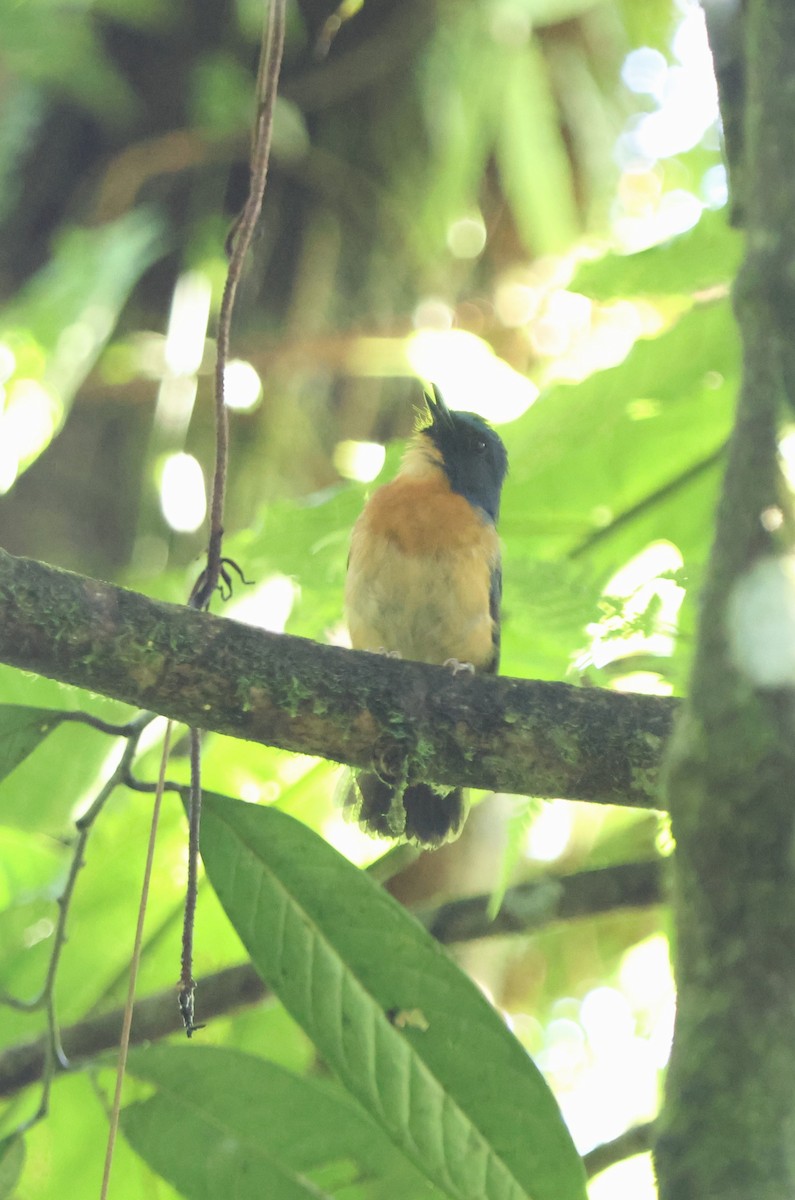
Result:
<point x="728" y="1126"/>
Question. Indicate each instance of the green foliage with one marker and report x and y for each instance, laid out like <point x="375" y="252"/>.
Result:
<point x="224" y="1123"/>
<point x="12" y="1160"/>
<point x="21" y="731"/>
<point x="483" y="1124"/>
<point x="62" y="51"/>
<point x="705" y="257"/>
<point x="518" y="826"/>
<point x="61" y="321"/>
<point x="505" y="113"/>
<point x="529" y="133"/>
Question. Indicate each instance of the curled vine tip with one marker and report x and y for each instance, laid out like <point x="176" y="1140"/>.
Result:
<point x="221" y="580"/>
<point x="186" y="1008"/>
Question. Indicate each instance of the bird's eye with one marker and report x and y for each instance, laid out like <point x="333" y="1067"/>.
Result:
<point x="479" y="446"/>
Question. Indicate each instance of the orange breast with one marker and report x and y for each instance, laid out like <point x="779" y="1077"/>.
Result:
<point x="422" y="517"/>
<point x="420" y="572"/>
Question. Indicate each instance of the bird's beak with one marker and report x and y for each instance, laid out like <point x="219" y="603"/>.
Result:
<point x="439" y="412"/>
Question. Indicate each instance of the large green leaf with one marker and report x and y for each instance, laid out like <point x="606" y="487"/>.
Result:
<point x="227" y="1124"/>
<point x="21" y="731"/>
<point x="406" y="1031"/>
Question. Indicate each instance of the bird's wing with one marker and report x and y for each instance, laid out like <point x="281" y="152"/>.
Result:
<point x="495" y="600"/>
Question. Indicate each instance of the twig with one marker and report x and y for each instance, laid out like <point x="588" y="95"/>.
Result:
<point x="122" y="731"/>
<point x="187" y="984"/>
<point x="239" y="244"/>
<point x="636" y="1140"/>
<point x="54" y="1057"/>
<point x="146" y="785"/>
<point x="124" y="1043"/>
<point x="215" y="572"/>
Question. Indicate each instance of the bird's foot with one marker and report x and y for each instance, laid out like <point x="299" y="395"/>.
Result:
<point x="459" y="668"/>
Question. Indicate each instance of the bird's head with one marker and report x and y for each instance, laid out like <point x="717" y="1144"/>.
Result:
<point x="469" y="452"/>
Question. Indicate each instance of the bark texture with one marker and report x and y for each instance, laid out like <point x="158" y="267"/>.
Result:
<point x="728" y="1126"/>
<point x="509" y="735"/>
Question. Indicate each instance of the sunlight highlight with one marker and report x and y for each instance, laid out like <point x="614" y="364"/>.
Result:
<point x="549" y="834"/>
<point x="640" y="608"/>
<point x="242" y="386"/>
<point x="183" y="499"/>
<point x="183" y="351"/>
<point x="29" y="417"/>
<point x="470" y="374"/>
<point x="603" y="1055"/>
<point x="632" y="1179"/>
<point x="267" y="606"/>
<point x="685" y="117"/>
<point x="361" y="461"/>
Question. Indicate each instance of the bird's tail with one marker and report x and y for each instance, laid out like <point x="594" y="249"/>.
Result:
<point x="420" y="812"/>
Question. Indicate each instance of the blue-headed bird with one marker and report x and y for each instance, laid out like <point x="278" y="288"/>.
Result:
<point x="425" y="583"/>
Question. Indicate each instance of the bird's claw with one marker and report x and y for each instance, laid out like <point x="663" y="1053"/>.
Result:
<point x="459" y="668"/>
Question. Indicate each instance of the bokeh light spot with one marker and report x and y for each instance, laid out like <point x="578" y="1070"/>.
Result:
<point x="183" y="499"/>
<point x="242" y="385"/>
<point x="361" y="461"/>
<point x="466" y="238"/>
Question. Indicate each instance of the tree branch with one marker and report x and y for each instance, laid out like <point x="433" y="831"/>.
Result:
<point x="527" y="907"/>
<point x="526" y="737"/>
<point x="636" y="1140"/>
<point x="509" y="735"/>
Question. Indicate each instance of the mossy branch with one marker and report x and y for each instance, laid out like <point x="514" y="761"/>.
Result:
<point x="509" y="735"/>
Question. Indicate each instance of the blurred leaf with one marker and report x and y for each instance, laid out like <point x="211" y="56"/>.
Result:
<point x="707" y="256"/>
<point x="309" y="543"/>
<point x="227" y="1124"/>
<point x="28" y="867"/>
<point x="145" y="14"/>
<point x="518" y="825"/>
<point x="12" y="1160"/>
<point x="62" y="319"/>
<point x="588" y="457"/>
<point x="532" y="158"/>
<point x="44" y="788"/>
<point x="651" y="23"/>
<point x="265" y="1029"/>
<point x="21" y="114"/>
<point x="459" y="123"/>
<point x="221" y="95"/>
<point x="60" y="49"/>
<point x="81" y="291"/>
<point x="599" y="470"/>
<point x="551" y="12"/>
<point x="21" y="731"/>
<point x="546" y="606"/>
<point x="342" y="955"/>
<point x="65" y="1152"/>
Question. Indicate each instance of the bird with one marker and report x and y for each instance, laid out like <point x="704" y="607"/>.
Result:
<point x="424" y="582"/>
